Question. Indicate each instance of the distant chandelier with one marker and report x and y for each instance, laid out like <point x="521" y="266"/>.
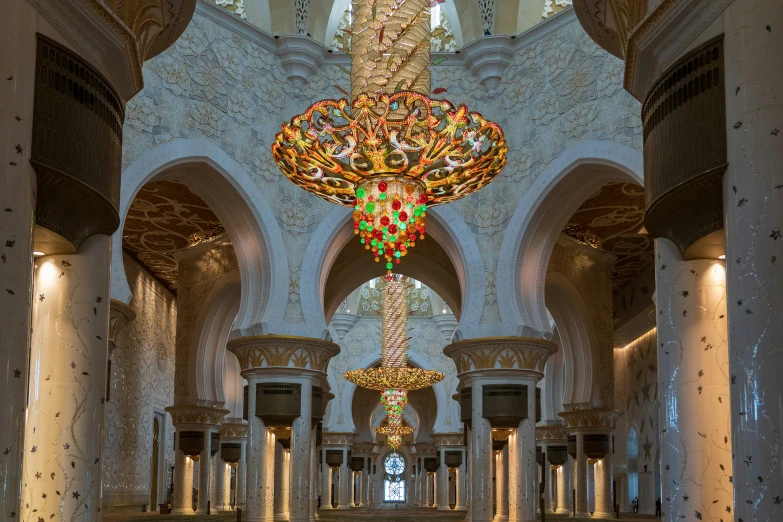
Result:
<point x="393" y="152"/>
<point x="394" y="379"/>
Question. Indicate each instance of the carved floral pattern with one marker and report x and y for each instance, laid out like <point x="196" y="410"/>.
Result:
<point x="204" y="415"/>
<point x="283" y="352"/>
<point x="592" y="418"/>
<point x="551" y="433"/>
<point x="500" y="353"/>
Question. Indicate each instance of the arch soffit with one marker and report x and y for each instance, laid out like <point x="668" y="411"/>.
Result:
<point x="208" y="344"/>
<point x="242" y="209"/>
<point x="538" y="220"/>
<point x="578" y="338"/>
<point x="444" y="225"/>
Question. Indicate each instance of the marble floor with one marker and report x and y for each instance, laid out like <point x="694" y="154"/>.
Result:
<point x="387" y="512"/>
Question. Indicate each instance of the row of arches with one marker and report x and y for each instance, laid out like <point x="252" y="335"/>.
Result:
<point x="251" y="301"/>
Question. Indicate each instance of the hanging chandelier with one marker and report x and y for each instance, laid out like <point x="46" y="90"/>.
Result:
<point x="393" y="152"/>
<point x="394" y="378"/>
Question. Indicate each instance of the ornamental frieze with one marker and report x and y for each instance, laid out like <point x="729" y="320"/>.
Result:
<point x="273" y="351"/>
<point x="205" y="415"/>
<point x="500" y="353"/>
<point x="449" y="439"/>
<point x="592" y="418"/>
<point x="233" y="429"/>
<point x="424" y="448"/>
<point x="340" y="438"/>
<point x="545" y="433"/>
<point x="363" y="447"/>
<point x="120" y="315"/>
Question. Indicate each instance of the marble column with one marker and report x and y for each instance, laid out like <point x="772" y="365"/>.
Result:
<point x="564" y="487"/>
<point x="64" y="435"/>
<point x="368" y="482"/>
<point x="428" y="490"/>
<point x="241" y="474"/>
<point x="259" y="503"/>
<point x="346" y="483"/>
<point x="546" y="470"/>
<point x="502" y="484"/>
<point x="326" y="478"/>
<point x="461" y="485"/>
<point x="220" y="488"/>
<point x="580" y="478"/>
<point x="604" y="499"/>
<point x="17" y="204"/>
<point x="182" y="503"/>
<point x="420" y="488"/>
<point x="443" y="482"/>
<point x="300" y="480"/>
<point x="753" y="213"/>
<point x="315" y="491"/>
<point x="281" y="476"/>
<point x="481" y="508"/>
<point x="523" y="467"/>
<point x="693" y="372"/>
<point x="204" y="469"/>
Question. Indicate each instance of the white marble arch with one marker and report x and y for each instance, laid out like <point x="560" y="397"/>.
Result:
<point x="451" y="8"/>
<point x="208" y="344"/>
<point x="538" y="219"/>
<point x="553" y="385"/>
<point x="344" y="401"/>
<point x="233" y="386"/>
<point x="578" y="340"/>
<point x="243" y="210"/>
<point x="444" y="225"/>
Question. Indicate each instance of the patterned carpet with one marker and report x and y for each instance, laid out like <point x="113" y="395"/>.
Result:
<point x="387" y="512"/>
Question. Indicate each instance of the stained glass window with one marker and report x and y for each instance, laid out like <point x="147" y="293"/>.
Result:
<point x="394" y="481"/>
<point x="394" y="464"/>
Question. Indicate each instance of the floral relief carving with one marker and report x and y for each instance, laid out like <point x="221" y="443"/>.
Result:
<point x="592" y="418"/>
<point x="337" y="438"/>
<point x="283" y="352"/>
<point x="551" y="433"/>
<point x="233" y="429"/>
<point x="204" y="415"/>
<point x="500" y="353"/>
<point x="449" y="439"/>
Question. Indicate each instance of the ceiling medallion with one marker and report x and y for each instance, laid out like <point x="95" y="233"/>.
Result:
<point x="393" y="152"/>
<point x="394" y="379"/>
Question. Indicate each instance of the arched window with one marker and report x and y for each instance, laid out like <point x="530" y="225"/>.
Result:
<point x="394" y="478"/>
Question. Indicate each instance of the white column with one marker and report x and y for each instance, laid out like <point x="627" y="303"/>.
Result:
<point x="240" y="492"/>
<point x="183" y="482"/>
<point x="420" y="487"/>
<point x="443" y="482"/>
<point x="604" y="506"/>
<point x="502" y="485"/>
<point x="68" y="359"/>
<point x="481" y="460"/>
<point x="315" y="491"/>
<point x="469" y="476"/>
<point x="301" y="481"/>
<point x="564" y="487"/>
<point x="523" y="498"/>
<point x="461" y="486"/>
<point x="281" y="476"/>
<point x="204" y="468"/>
<point x="368" y="482"/>
<point x="326" y="476"/>
<point x="219" y="473"/>
<point x="346" y="483"/>
<point x="753" y="207"/>
<point x="696" y="454"/>
<point x="260" y="463"/>
<point x="17" y="205"/>
<point x="580" y="478"/>
<point x="549" y="486"/>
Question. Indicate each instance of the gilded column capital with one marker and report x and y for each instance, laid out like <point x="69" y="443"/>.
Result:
<point x="336" y="438"/>
<point x="120" y="315"/>
<point x="424" y="449"/>
<point x="557" y="433"/>
<point x="363" y="447"/>
<point x="233" y="430"/>
<point x="449" y="439"/>
<point x="283" y="351"/>
<point x="594" y="419"/>
<point x="500" y="353"/>
<point x="207" y="416"/>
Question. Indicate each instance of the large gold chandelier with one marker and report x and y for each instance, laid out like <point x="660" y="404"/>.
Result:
<point x="394" y="378"/>
<point x="392" y="152"/>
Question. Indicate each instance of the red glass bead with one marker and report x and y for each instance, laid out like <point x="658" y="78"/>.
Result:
<point x="403" y="216"/>
<point x="392" y="229"/>
<point x="389" y="251"/>
<point x="396" y="204"/>
<point x="423" y="199"/>
<point x="385" y="221"/>
<point x="382" y="186"/>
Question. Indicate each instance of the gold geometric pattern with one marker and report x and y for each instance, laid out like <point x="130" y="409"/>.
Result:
<point x="165" y="217"/>
<point x="500" y="353"/>
<point x="609" y="220"/>
<point x="273" y="351"/>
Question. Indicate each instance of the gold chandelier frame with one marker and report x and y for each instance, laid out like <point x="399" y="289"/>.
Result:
<point x="381" y="379"/>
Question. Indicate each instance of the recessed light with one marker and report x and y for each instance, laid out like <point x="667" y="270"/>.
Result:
<point x="722" y="256"/>
<point x="38" y="253"/>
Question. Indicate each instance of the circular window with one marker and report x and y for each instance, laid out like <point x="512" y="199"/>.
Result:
<point x="394" y="464"/>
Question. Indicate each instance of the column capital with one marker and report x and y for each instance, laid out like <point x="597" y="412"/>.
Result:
<point x="337" y="438"/>
<point x="205" y="417"/>
<point x="555" y="434"/>
<point x="267" y="352"/>
<point x="598" y="420"/>
<point x="233" y="430"/>
<point x="449" y="440"/>
<point x="120" y="315"/>
<point x="421" y="450"/>
<point x="501" y="353"/>
<point x="366" y="448"/>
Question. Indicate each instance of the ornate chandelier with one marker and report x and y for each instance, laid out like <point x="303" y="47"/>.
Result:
<point x="393" y="152"/>
<point x="394" y="379"/>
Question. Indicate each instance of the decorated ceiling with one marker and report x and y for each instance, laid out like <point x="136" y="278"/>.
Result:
<point x="164" y="218"/>
<point x="610" y="220"/>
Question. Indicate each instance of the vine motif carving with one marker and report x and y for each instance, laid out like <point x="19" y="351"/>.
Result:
<point x="233" y="429"/>
<point x="449" y="439"/>
<point x="592" y="418"/>
<point x="283" y="352"/>
<point x="338" y="438"/>
<point x="549" y="433"/>
<point x="120" y="315"/>
<point x="197" y="415"/>
<point x="500" y="353"/>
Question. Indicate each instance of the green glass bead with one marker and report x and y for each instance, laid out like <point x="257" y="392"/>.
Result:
<point x="370" y="207"/>
<point x="360" y="192"/>
<point x="389" y="266"/>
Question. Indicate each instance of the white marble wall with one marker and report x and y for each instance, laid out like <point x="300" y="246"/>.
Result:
<point x="693" y="366"/>
<point x="141" y="383"/>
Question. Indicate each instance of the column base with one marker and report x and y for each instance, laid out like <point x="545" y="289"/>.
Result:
<point x="501" y="518"/>
<point x="280" y="517"/>
<point x="444" y="508"/>
<point x="603" y="514"/>
<point x="201" y="511"/>
<point x="562" y="511"/>
<point x="343" y="507"/>
<point x="182" y="511"/>
<point x="460" y="508"/>
<point x="326" y="506"/>
<point x="583" y="514"/>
